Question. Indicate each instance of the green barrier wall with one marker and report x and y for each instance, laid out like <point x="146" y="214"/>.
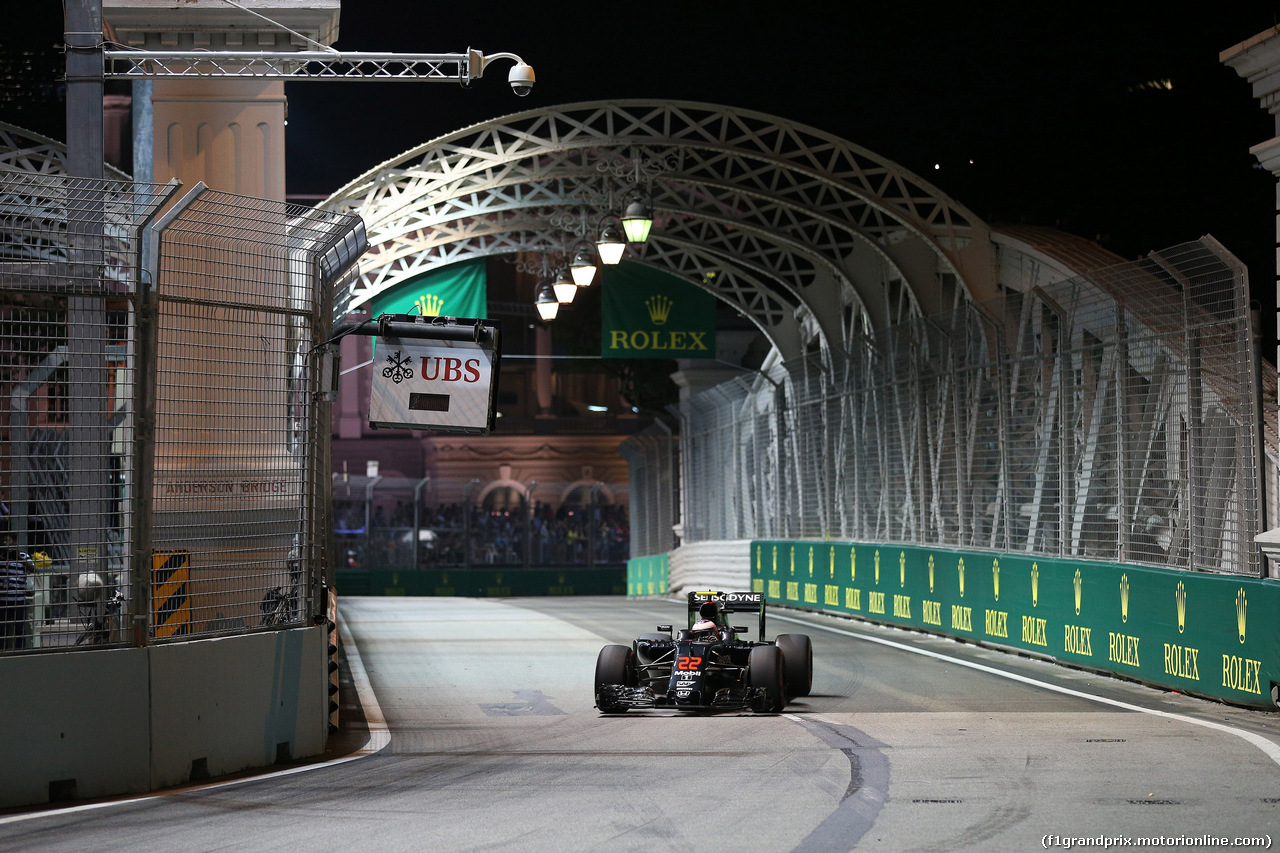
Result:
<point x="1210" y="635"/>
<point x="647" y="575"/>
<point x="483" y="583"/>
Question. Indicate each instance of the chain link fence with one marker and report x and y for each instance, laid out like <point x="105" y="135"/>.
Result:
<point x="165" y="470"/>
<point x="1110" y="416"/>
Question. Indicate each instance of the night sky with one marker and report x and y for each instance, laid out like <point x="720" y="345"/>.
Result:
<point x="1021" y="112"/>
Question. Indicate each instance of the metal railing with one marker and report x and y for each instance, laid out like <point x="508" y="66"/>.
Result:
<point x="406" y="524"/>
<point x="165" y="470"/>
<point x="1110" y="416"/>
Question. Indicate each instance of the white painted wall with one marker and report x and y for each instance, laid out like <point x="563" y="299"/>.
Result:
<point x="722" y="565"/>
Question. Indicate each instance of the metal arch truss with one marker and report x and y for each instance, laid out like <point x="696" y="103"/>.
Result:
<point x="810" y="225"/>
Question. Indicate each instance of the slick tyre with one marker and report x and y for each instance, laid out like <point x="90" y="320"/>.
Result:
<point x="614" y="666"/>
<point x="797" y="663"/>
<point x="764" y="671"/>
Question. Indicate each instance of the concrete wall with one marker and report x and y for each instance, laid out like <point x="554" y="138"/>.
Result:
<point x="120" y="721"/>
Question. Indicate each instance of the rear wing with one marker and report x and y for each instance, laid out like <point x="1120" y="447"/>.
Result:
<point x="730" y="602"/>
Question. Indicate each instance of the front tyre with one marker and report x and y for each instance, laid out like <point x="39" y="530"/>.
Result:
<point x="797" y="663"/>
<point x="614" y="666"/>
<point x="764" y="672"/>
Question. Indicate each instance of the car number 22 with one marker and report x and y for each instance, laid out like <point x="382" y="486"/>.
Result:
<point x="688" y="662"/>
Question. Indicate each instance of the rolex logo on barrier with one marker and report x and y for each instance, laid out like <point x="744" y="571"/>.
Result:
<point x="1180" y="596"/>
<point x="931" y="574"/>
<point x="792" y="567"/>
<point x="960" y="569"/>
<point x="1124" y="598"/>
<point x="853" y="564"/>
<point x="810" y="561"/>
<point x="831" y="570"/>
<point x="1035" y="585"/>
<point x="995" y="578"/>
<point x="429" y="305"/>
<point x="775" y="561"/>
<point x="902" y="568"/>
<point x="1077" y="582"/>
<point x="877" y="561"/>
<point x="1242" y="605"/>
<point x="659" y="308"/>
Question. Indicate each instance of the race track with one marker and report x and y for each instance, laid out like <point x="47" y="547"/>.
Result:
<point x="907" y="743"/>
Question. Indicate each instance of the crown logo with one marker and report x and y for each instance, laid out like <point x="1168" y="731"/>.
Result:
<point x="930" y="574"/>
<point x="793" y="561"/>
<point x="877" y="561"/>
<point x="995" y="578"/>
<point x="775" y="561"/>
<point x="659" y="308"/>
<point x="1242" y="605"/>
<point x="960" y="568"/>
<point x="1035" y="584"/>
<point x="810" y="561"/>
<point x="1180" y="596"/>
<point x="853" y="564"/>
<point x="429" y="305"/>
<point x="902" y="568"/>
<point x="758" y="550"/>
<point x="831" y="570"/>
<point x="1077" y="581"/>
<point x="1124" y="598"/>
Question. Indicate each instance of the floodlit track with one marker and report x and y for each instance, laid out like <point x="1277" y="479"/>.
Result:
<point x="908" y="742"/>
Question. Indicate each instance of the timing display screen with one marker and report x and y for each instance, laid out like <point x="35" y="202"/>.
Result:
<point x="429" y="402"/>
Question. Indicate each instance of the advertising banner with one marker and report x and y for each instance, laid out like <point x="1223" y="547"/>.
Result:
<point x="1206" y="634"/>
<point x="646" y="313"/>
<point x="459" y="290"/>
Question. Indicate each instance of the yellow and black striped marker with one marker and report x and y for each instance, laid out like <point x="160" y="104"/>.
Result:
<point x="170" y="593"/>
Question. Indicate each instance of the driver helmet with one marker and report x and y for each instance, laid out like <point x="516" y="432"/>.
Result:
<point x="703" y="629"/>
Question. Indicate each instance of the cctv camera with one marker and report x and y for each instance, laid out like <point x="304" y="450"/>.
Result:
<point x="521" y="79"/>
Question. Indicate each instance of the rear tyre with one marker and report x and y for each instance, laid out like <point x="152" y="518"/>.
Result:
<point x="614" y="666"/>
<point x="764" y="671"/>
<point x="797" y="663"/>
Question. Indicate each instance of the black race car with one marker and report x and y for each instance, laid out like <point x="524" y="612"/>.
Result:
<point x="706" y="667"/>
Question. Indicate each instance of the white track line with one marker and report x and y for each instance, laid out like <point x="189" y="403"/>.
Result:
<point x="1262" y="743"/>
<point x="379" y="737"/>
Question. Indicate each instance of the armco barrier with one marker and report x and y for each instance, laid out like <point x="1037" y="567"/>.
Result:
<point x="483" y="583"/>
<point x="647" y="575"/>
<point x="1214" y="635"/>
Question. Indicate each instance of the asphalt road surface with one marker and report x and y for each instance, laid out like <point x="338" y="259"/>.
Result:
<point x="483" y="736"/>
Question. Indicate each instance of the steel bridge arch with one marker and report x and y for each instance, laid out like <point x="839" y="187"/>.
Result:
<point x="802" y="225"/>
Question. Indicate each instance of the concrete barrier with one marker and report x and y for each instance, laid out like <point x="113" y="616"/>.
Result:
<point x="1211" y="635"/>
<point x="77" y="725"/>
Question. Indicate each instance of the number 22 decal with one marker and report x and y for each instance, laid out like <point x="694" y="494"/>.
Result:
<point x="687" y="662"/>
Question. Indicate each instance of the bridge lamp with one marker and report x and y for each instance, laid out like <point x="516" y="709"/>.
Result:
<point x="612" y="242"/>
<point x="638" y="219"/>
<point x="565" y="288"/>
<point x="546" y="302"/>
<point x="583" y="265"/>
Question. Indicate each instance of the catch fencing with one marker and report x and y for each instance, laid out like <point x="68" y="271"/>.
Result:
<point x="1111" y="416"/>
<point x="165" y="468"/>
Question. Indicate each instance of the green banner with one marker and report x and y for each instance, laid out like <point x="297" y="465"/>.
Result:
<point x="458" y="290"/>
<point x="647" y="575"/>
<point x="1204" y="634"/>
<point x="647" y="313"/>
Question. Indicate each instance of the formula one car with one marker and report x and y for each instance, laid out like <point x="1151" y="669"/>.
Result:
<point x="706" y="667"/>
